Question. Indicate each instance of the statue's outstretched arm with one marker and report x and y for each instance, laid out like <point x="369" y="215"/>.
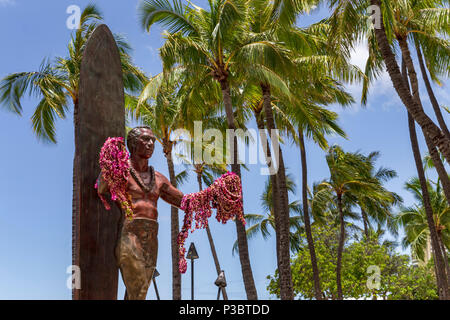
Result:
<point x="169" y="193"/>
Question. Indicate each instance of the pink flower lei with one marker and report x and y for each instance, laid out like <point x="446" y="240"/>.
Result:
<point x="225" y="195"/>
<point x="115" y="169"/>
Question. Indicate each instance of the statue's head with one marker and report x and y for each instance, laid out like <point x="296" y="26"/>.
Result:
<point x="141" y="142"/>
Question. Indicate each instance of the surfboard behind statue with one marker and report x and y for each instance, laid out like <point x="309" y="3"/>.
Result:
<point x="100" y="115"/>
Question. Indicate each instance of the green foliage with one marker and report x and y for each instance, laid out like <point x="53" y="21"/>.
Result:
<point x="264" y="224"/>
<point x="415" y="283"/>
<point x="398" y="278"/>
<point x="414" y="221"/>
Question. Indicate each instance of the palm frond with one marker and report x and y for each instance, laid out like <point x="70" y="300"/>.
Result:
<point x="169" y="15"/>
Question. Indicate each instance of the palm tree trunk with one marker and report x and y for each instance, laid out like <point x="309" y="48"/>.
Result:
<point x="434" y="102"/>
<point x="174" y="230"/>
<point x="440" y="271"/>
<point x="273" y="181"/>
<point x="211" y="241"/>
<point x="430" y="129"/>
<point x="366" y="224"/>
<point x="427" y="257"/>
<point x="244" y="256"/>
<point x="440" y="169"/>
<point x="445" y="256"/>
<point x="442" y="173"/>
<point x="340" y="249"/>
<point x="309" y="236"/>
<point x="286" y="287"/>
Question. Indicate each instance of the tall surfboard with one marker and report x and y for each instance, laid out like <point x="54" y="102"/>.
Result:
<point x="100" y="115"/>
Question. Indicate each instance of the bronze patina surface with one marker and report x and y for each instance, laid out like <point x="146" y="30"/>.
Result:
<point x="137" y="252"/>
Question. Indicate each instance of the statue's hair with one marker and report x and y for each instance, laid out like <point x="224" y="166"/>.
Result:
<point x="133" y="135"/>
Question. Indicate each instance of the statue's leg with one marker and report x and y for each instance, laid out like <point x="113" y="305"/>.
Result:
<point x="136" y="255"/>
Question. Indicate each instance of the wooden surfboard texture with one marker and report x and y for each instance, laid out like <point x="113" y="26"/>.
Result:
<point x="101" y="115"/>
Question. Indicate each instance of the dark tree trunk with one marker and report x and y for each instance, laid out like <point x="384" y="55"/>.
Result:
<point x="445" y="256"/>
<point x="273" y="181"/>
<point x="440" y="271"/>
<point x="309" y="236"/>
<point x="434" y="102"/>
<point x="442" y="173"/>
<point x="340" y="248"/>
<point x="429" y="128"/>
<point x="440" y="169"/>
<point x="211" y="241"/>
<point x="366" y="223"/>
<point x="286" y="287"/>
<point x="244" y="257"/>
<point x="174" y="230"/>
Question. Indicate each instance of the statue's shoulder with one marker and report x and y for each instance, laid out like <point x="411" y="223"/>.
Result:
<point x="160" y="176"/>
<point x="157" y="173"/>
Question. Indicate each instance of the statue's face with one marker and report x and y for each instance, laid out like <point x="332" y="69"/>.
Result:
<point x="145" y="144"/>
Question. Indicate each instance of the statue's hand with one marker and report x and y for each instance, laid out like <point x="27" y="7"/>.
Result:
<point x="185" y="203"/>
<point x="102" y="186"/>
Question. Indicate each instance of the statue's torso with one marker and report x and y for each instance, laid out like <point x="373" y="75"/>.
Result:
<point x="145" y="205"/>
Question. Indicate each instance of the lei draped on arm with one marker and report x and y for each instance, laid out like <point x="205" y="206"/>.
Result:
<point x="115" y="170"/>
<point x="225" y="195"/>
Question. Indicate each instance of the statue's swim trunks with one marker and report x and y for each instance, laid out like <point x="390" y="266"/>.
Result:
<point x="136" y="253"/>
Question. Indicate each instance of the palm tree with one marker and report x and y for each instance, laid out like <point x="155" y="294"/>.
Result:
<point x="348" y="181"/>
<point x="436" y="200"/>
<point x="380" y="40"/>
<point x="413" y="26"/>
<point x="306" y="118"/>
<point x="56" y="82"/>
<point x="262" y="28"/>
<point x="414" y="221"/>
<point x="431" y="130"/>
<point x="431" y="95"/>
<point x="427" y="23"/>
<point x="349" y="23"/>
<point x="439" y="263"/>
<point x="298" y="52"/>
<point x="210" y="44"/>
<point x="419" y="21"/>
<point x="314" y="121"/>
<point x="276" y="209"/>
<point x="263" y="222"/>
<point x="376" y="209"/>
<point x="412" y="18"/>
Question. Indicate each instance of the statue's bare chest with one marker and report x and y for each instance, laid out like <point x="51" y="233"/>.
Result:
<point x="143" y="184"/>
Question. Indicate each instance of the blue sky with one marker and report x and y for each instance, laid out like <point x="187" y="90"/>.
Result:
<point x="36" y="179"/>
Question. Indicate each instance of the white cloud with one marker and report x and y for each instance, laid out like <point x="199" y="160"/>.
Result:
<point x="359" y="55"/>
<point x="381" y="92"/>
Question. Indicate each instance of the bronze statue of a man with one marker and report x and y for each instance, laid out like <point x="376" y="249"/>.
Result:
<point x="137" y="246"/>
